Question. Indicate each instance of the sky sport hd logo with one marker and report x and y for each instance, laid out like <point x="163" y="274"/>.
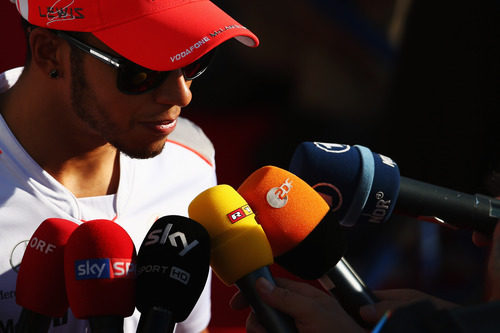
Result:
<point x="105" y="268"/>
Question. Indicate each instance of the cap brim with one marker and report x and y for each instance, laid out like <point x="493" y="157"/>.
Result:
<point x="175" y="37"/>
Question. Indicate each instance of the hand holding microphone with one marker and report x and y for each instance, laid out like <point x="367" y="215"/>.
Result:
<point x="313" y="309"/>
<point x="40" y="286"/>
<point x="172" y="269"/>
<point x="240" y="251"/>
<point x="99" y="268"/>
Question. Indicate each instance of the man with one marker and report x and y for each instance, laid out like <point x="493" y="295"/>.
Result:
<point x="84" y="127"/>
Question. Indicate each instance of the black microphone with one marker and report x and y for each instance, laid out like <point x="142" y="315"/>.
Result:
<point x="349" y="289"/>
<point x="366" y="187"/>
<point x="172" y="269"/>
<point x="465" y="211"/>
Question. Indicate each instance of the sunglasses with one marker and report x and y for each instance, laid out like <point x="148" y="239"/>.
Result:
<point x="133" y="79"/>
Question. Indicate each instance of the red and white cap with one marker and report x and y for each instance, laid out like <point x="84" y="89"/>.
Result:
<point x="157" y="34"/>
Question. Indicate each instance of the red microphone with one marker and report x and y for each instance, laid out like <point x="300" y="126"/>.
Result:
<point x="40" y="288"/>
<point x="99" y="267"/>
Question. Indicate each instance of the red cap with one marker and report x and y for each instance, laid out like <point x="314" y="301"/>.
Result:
<point x="157" y="34"/>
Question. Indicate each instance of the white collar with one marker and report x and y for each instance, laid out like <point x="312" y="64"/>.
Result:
<point x="9" y="78"/>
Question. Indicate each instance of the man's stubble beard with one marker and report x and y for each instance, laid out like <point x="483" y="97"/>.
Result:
<point x="85" y="105"/>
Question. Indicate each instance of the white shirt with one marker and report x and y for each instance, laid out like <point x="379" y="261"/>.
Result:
<point x="148" y="189"/>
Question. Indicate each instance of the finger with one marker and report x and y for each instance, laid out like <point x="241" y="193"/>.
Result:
<point x="319" y="313"/>
<point x="371" y="313"/>
<point x="495" y="250"/>
<point x="390" y="299"/>
<point x="494" y="260"/>
<point x="480" y="239"/>
<point x="406" y="296"/>
<point x="238" y="301"/>
<point x="496" y="233"/>
<point x="253" y="325"/>
<point x="286" y="300"/>
<point x="400" y="294"/>
<point x="300" y="288"/>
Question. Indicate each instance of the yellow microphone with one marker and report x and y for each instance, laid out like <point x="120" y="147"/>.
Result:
<point x="240" y="251"/>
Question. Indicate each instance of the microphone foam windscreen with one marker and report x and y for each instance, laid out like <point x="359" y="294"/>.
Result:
<point x="287" y="207"/>
<point x="318" y="252"/>
<point x="361" y="185"/>
<point x="99" y="267"/>
<point x="172" y="266"/>
<point x="40" y="281"/>
<point x="239" y="244"/>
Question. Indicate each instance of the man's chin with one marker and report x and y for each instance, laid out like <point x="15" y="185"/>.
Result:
<point x="142" y="152"/>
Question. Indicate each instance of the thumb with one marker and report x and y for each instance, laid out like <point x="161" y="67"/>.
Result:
<point x="494" y="265"/>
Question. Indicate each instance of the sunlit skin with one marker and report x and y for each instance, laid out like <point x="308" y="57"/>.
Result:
<point x="128" y="122"/>
<point x="72" y="125"/>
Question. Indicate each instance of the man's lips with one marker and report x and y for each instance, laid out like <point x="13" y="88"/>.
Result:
<point x="164" y="127"/>
<point x="167" y="124"/>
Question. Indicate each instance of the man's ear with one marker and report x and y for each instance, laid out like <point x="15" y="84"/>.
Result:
<point x="47" y="51"/>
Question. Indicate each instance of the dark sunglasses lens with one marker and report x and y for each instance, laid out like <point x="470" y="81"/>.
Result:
<point x="133" y="79"/>
<point x="195" y="69"/>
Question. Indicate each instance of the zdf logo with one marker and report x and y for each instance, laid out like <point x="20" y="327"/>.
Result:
<point x="277" y="197"/>
<point x="175" y="239"/>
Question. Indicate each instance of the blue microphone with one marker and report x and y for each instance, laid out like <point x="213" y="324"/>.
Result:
<point x="367" y="187"/>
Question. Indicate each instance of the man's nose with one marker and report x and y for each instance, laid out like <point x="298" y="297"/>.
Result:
<point x="175" y="90"/>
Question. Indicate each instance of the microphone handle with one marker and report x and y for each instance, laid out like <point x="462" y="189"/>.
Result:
<point x="156" y="320"/>
<point x="465" y="211"/>
<point x="348" y="289"/>
<point x="106" y="324"/>
<point x="32" y="322"/>
<point x="272" y="319"/>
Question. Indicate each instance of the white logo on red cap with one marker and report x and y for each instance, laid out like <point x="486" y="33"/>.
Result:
<point x="190" y="49"/>
<point x="182" y="54"/>
<point x="277" y="196"/>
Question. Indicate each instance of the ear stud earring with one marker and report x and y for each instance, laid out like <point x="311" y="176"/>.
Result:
<point x="54" y="73"/>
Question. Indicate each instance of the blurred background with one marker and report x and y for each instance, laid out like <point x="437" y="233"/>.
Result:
<point x="414" y="80"/>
